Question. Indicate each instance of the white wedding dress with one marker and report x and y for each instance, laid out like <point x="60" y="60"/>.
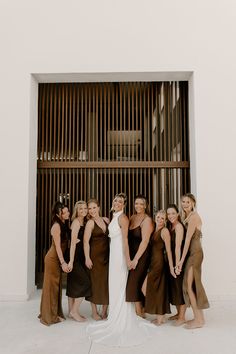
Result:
<point x="122" y="327"/>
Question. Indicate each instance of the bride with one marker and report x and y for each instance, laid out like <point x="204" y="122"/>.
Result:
<point x="123" y="327"/>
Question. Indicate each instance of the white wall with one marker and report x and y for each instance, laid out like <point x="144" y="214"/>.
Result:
<point x="55" y="36"/>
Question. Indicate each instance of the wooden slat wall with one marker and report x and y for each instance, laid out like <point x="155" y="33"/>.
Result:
<point x="97" y="139"/>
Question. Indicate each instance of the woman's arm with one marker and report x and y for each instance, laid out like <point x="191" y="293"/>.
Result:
<point x="56" y="234"/>
<point x="107" y="221"/>
<point x="193" y="223"/>
<point x="146" y="230"/>
<point x="74" y="240"/>
<point x="124" y="225"/>
<point x="179" y="235"/>
<point x="87" y="235"/>
<point x="165" y="235"/>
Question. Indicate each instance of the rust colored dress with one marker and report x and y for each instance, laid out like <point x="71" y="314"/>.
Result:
<point x="176" y="284"/>
<point x="51" y="307"/>
<point x="136" y="276"/>
<point x="195" y="260"/>
<point x="157" y="301"/>
<point x="99" y="254"/>
<point x="78" y="280"/>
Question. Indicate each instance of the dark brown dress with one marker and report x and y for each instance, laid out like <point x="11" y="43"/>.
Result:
<point x="194" y="260"/>
<point x="176" y="284"/>
<point x="78" y="280"/>
<point x="99" y="254"/>
<point x="157" y="301"/>
<point x="136" y="276"/>
<point x="51" y="307"/>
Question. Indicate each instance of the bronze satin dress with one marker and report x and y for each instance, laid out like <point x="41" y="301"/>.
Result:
<point x="51" y="306"/>
<point x="99" y="254"/>
<point x="157" y="301"/>
<point x="136" y="276"/>
<point x="194" y="260"/>
<point x="176" y="284"/>
<point x="78" y="280"/>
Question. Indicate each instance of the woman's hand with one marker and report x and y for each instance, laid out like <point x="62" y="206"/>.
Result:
<point x="70" y="266"/>
<point x="128" y="262"/>
<point x="172" y="272"/>
<point x="64" y="267"/>
<point x="89" y="263"/>
<point x="178" y="268"/>
<point x="133" y="263"/>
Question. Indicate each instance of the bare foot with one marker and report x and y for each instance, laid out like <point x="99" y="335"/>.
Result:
<point x="172" y="318"/>
<point x="179" y="322"/>
<point x="96" y="317"/>
<point x="104" y="316"/>
<point x="61" y="319"/>
<point x="77" y="317"/>
<point x="141" y="314"/>
<point x="194" y="324"/>
<point x="157" y="322"/>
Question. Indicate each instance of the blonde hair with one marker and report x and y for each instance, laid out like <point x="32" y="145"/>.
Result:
<point x="190" y="196"/>
<point x="162" y="211"/>
<point x="76" y="208"/>
<point x="120" y="195"/>
<point x="95" y="201"/>
<point x="193" y="199"/>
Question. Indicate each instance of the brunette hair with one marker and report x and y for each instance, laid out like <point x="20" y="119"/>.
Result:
<point x="141" y="196"/>
<point x="172" y="206"/>
<point x="56" y="211"/>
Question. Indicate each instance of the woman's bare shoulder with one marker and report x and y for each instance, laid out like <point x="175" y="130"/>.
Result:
<point x="106" y="219"/>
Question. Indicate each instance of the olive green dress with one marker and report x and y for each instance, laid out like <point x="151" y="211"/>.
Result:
<point x="194" y="260"/>
<point x="51" y="306"/>
<point x="157" y="301"/>
<point x="99" y="254"/>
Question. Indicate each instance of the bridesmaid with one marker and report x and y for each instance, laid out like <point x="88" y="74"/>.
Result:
<point x="177" y="233"/>
<point x="155" y="286"/>
<point x="194" y="293"/>
<point x="54" y="263"/>
<point x="78" y="280"/>
<point x="96" y="249"/>
<point x="140" y="230"/>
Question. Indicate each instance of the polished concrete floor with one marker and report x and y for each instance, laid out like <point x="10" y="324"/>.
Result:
<point x="22" y="333"/>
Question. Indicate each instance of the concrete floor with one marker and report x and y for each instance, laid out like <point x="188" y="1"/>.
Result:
<point x="22" y="333"/>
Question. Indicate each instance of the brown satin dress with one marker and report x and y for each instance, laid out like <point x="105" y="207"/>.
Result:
<point x="136" y="276"/>
<point x="51" y="306"/>
<point x="99" y="254"/>
<point x="156" y="301"/>
<point x="194" y="260"/>
<point x="176" y="284"/>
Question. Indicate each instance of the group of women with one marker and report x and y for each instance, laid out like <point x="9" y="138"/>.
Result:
<point x="125" y="261"/>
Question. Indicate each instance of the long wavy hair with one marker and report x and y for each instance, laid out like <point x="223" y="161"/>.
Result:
<point x="168" y="223"/>
<point x="56" y="213"/>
